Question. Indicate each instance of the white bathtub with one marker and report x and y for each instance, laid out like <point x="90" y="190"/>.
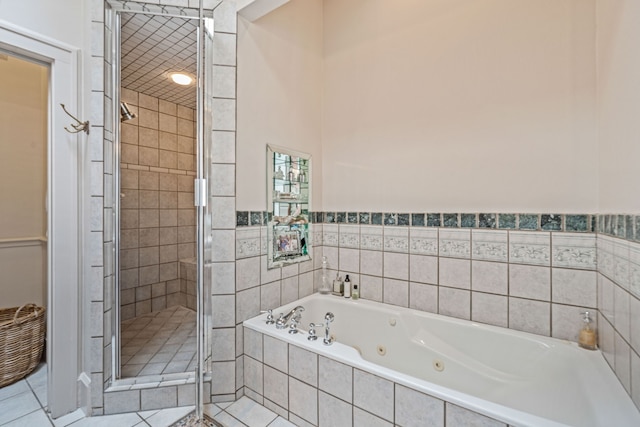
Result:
<point x="515" y="377"/>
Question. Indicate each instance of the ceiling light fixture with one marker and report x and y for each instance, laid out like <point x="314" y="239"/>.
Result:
<point x="181" y="78"/>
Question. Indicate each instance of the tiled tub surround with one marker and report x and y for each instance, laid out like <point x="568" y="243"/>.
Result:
<point x="157" y="216"/>
<point x="523" y="379"/>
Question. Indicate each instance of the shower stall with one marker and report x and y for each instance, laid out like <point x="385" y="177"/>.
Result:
<point x="158" y="125"/>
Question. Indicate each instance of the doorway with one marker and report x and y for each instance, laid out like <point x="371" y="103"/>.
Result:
<point x="60" y="170"/>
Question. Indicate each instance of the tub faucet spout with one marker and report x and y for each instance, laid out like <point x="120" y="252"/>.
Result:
<point x="283" y="320"/>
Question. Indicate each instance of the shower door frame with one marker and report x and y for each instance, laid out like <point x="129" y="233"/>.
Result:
<point x="200" y="203"/>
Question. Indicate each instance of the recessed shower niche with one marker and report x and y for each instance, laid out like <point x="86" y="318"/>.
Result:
<point x="158" y="80"/>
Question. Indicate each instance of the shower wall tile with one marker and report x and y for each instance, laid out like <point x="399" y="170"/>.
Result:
<point x="532" y="248"/>
<point x="423" y="241"/>
<point x="574" y="250"/>
<point x="489" y="245"/>
<point x="224" y="50"/>
<point x="455" y="243"/>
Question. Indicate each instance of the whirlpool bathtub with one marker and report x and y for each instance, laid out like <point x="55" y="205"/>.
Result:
<point x="515" y="378"/>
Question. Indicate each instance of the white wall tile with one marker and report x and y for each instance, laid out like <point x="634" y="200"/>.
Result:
<point x="276" y="353"/>
<point x="349" y="260"/>
<point x="220" y="348"/>
<point x="528" y="281"/>
<point x="566" y="321"/>
<point x="423" y="297"/>
<point x="349" y="236"/>
<point x="530" y="316"/>
<point x="223" y="278"/>
<point x="253" y="374"/>
<point x="457" y="416"/>
<point x="489" y="245"/>
<point x="396" y="292"/>
<point x="606" y="340"/>
<point x="223" y="248"/>
<point x="223" y="377"/>
<point x="621" y="311"/>
<point x="634" y="326"/>
<point x="253" y="344"/>
<point x="621" y="263"/>
<point x="224" y="50"/>
<point x="364" y="419"/>
<point x="223" y="214"/>
<point x="417" y="409"/>
<point x="423" y="241"/>
<point x="158" y="398"/>
<point x="224" y="176"/>
<point x="121" y="401"/>
<point x="224" y="114"/>
<point x="371" y="237"/>
<point x="276" y="387"/>
<point x="224" y="81"/>
<point x="533" y="248"/>
<point x="247" y="304"/>
<point x="396" y="266"/>
<point x="489" y="277"/>
<point x="224" y="147"/>
<point x="247" y="273"/>
<point x="371" y="288"/>
<point x="576" y="287"/>
<point x="303" y="400"/>
<point x="455" y="273"/>
<point x="373" y="394"/>
<point x="334" y="412"/>
<point x="423" y="269"/>
<point x="224" y="309"/>
<point x="335" y="378"/>
<point x="489" y="308"/>
<point x="371" y="262"/>
<point x="454" y="302"/>
<point x="635" y="378"/>
<point x="303" y="365"/>
<point x="623" y="362"/>
<point x="574" y="250"/>
<point x="455" y="243"/>
<point x="396" y="239"/>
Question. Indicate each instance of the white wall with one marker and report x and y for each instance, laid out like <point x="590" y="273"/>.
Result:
<point x="23" y="184"/>
<point x="459" y="105"/>
<point x="618" y="105"/>
<point x="279" y="95"/>
<point x="62" y="20"/>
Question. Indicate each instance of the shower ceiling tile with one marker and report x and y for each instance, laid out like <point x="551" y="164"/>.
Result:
<point x="154" y="46"/>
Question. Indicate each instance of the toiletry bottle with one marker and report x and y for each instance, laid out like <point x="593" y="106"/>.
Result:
<point x="587" y="337"/>
<point x="337" y="285"/>
<point x="325" y="288"/>
<point x="355" y="292"/>
<point x="347" y="287"/>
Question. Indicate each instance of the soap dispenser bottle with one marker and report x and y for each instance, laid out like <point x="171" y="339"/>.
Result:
<point x="347" y="287"/>
<point x="587" y="337"/>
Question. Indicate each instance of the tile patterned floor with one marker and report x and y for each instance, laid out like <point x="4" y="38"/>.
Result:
<point x="23" y="404"/>
<point x="162" y="342"/>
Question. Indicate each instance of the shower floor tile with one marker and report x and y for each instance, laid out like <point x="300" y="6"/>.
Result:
<point x="161" y="342"/>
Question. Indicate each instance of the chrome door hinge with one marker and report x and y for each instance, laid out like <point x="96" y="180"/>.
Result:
<point x="200" y="192"/>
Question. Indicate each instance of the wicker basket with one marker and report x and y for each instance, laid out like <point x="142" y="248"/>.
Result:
<point x="21" y="341"/>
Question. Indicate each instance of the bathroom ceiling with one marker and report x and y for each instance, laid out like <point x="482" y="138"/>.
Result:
<point x="152" y="46"/>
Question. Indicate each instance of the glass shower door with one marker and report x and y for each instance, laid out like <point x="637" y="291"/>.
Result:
<point x="203" y="200"/>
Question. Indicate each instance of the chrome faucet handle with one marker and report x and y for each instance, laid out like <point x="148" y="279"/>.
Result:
<point x="293" y="326"/>
<point x="281" y="322"/>
<point x="269" y="320"/>
<point x="328" y="339"/>
<point x="312" y="332"/>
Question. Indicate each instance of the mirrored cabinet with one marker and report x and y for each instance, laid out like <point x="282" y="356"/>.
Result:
<point x="289" y="201"/>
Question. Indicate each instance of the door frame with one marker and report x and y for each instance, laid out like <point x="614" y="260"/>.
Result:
<point x="64" y="163"/>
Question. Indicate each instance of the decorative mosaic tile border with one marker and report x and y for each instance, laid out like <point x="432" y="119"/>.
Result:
<point x="506" y="221"/>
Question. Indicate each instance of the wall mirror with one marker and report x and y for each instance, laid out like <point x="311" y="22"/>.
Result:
<point x="288" y="206"/>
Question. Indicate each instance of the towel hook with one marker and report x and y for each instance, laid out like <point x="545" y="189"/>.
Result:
<point x="79" y="127"/>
